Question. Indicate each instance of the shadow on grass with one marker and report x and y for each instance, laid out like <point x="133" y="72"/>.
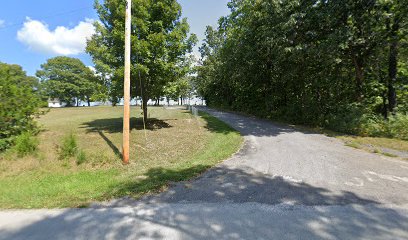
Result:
<point x="115" y="125"/>
<point x="215" y="125"/>
<point x="115" y="149"/>
<point x="224" y="184"/>
<point x="155" y="179"/>
<point x="194" y="217"/>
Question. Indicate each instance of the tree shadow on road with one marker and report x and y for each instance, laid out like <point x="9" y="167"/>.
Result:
<point x="246" y="125"/>
<point x="233" y="204"/>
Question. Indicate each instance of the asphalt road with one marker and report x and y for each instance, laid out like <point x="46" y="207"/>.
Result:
<point x="283" y="184"/>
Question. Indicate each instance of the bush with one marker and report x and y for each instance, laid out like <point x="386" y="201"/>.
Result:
<point x="354" y="119"/>
<point x="25" y="144"/>
<point x="81" y="157"/>
<point x="69" y="147"/>
<point x="397" y="126"/>
<point x="376" y="126"/>
<point x="346" y="119"/>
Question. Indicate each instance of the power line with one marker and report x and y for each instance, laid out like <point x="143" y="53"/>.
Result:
<point x="49" y="16"/>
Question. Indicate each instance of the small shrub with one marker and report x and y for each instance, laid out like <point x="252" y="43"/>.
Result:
<point x="81" y="157"/>
<point x="376" y="126"/>
<point x="25" y="144"/>
<point x="69" y="147"/>
<point x="4" y="144"/>
<point x="372" y="125"/>
<point x="397" y="126"/>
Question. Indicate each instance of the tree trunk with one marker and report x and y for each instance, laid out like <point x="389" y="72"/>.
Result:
<point x="89" y="101"/>
<point x="384" y="106"/>
<point x="392" y="67"/>
<point x="383" y="80"/>
<point x="145" y="99"/>
<point x="358" y="65"/>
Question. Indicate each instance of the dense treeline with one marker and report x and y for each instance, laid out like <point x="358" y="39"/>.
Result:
<point x="341" y="64"/>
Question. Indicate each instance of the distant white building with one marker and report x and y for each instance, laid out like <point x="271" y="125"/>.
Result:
<point x="55" y="103"/>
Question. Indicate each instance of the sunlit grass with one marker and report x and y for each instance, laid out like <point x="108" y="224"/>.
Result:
<point x="174" y="147"/>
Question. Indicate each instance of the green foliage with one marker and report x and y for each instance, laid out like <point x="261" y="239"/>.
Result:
<point x="19" y="101"/>
<point x="69" y="147"/>
<point x="68" y="79"/>
<point x="160" y="42"/>
<point x="180" y="88"/>
<point x="25" y="144"/>
<point x="395" y="127"/>
<point x="81" y="157"/>
<point x="338" y="64"/>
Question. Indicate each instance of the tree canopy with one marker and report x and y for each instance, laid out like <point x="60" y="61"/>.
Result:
<point x="328" y="63"/>
<point x="160" y="42"/>
<point x="68" y="79"/>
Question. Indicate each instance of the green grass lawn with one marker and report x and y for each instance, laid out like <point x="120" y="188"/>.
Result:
<point x="174" y="147"/>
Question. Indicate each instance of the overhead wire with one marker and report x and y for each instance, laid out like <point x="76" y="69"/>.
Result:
<point x="48" y="17"/>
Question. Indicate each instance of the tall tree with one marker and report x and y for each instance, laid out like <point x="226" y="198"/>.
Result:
<point x="68" y="79"/>
<point x="19" y="102"/>
<point x="160" y="42"/>
<point x="396" y="20"/>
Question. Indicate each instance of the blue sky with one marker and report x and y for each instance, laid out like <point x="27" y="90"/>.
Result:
<point x="33" y="31"/>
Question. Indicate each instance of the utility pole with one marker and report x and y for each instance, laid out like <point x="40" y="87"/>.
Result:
<point x="126" y="85"/>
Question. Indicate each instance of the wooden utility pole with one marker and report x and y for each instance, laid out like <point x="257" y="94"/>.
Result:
<point x="126" y="102"/>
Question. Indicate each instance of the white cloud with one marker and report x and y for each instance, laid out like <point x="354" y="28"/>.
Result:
<point x="93" y="69"/>
<point x="2" y="23"/>
<point x="61" y="41"/>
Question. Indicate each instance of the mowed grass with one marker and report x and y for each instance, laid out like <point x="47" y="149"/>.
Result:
<point x="174" y="147"/>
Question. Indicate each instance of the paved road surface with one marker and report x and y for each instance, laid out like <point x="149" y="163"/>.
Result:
<point x="283" y="184"/>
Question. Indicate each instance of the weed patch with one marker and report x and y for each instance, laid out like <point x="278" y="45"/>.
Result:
<point x="26" y="144"/>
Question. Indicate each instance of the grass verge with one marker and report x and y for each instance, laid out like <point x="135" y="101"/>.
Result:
<point x="174" y="147"/>
<point x="390" y="147"/>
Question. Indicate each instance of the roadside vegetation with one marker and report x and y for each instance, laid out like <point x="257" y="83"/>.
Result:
<point x="72" y="156"/>
<point x="77" y="160"/>
<point x="340" y="65"/>
<point x="390" y="147"/>
<point x="20" y="100"/>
